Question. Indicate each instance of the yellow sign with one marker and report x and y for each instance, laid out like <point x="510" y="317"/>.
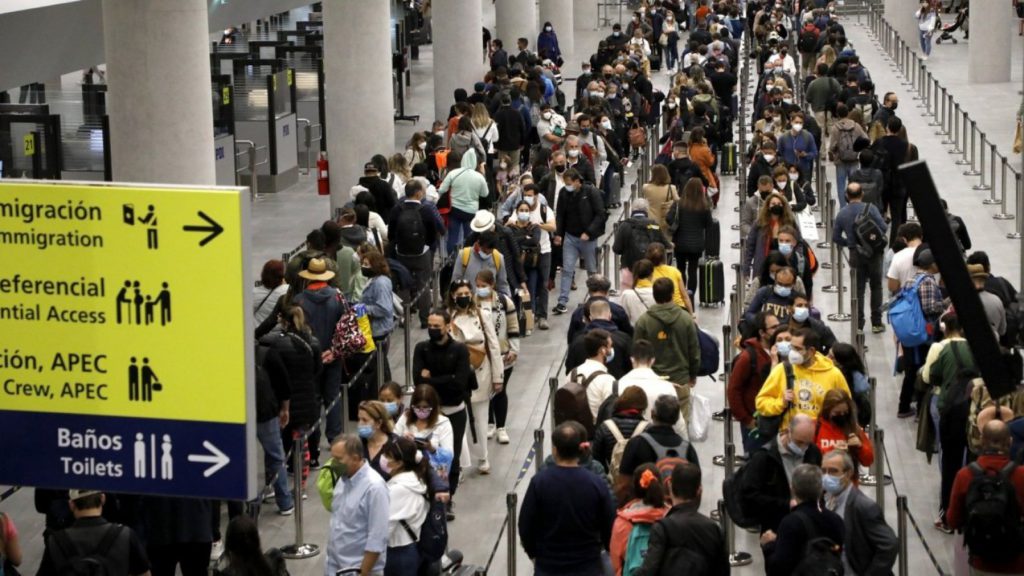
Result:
<point x="125" y="301"/>
<point x="30" y="144"/>
<point x="225" y="95"/>
<point x="291" y="76"/>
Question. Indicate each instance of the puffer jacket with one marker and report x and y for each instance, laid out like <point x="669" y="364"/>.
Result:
<point x="301" y="357"/>
<point x="604" y="441"/>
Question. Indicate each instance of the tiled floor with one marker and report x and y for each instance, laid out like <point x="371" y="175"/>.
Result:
<point x="281" y="221"/>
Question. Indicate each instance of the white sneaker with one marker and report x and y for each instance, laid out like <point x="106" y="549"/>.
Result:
<point x="502" y="436"/>
<point x="484" y="467"/>
<point x="490" y="431"/>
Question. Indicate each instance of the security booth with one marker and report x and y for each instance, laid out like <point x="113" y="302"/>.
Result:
<point x="231" y="158"/>
<point x="307" y="61"/>
<point x="30" y="142"/>
<point x="264" y="111"/>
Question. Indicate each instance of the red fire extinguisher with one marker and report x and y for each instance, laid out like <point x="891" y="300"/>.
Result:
<point x="323" y="183"/>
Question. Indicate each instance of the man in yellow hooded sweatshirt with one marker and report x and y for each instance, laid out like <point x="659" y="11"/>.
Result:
<point x="813" y="376"/>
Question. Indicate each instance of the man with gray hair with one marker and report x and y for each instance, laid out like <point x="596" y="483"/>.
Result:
<point x="634" y="234"/>
<point x="766" y="493"/>
<point x="784" y="551"/>
<point x="870" y="545"/>
<point x="578" y="160"/>
<point x="358" y="536"/>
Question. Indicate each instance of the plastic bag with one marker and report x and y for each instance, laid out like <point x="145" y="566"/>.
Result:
<point x="699" y="421"/>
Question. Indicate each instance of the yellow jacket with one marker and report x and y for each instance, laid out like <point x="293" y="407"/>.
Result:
<point x="809" y="388"/>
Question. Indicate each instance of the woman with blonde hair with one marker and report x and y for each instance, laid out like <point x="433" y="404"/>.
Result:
<point x="397" y="164"/>
<point x="827" y="57"/>
<point x="660" y="194"/>
<point x="484" y="128"/>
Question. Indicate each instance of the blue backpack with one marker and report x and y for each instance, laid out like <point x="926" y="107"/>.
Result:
<point x="907" y="318"/>
<point x="709" y="353"/>
<point x="636" y="548"/>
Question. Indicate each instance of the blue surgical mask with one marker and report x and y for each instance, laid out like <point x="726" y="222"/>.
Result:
<point x="523" y="216"/>
<point x="796" y="358"/>
<point x="783" y="347"/>
<point x="801" y="313"/>
<point x="786" y="248"/>
<point x="365" y="431"/>
<point x="529" y="200"/>
<point x="483" y="292"/>
<point x="392" y="408"/>
<point x="783" y="291"/>
<point x="795" y="449"/>
<point x="831" y="484"/>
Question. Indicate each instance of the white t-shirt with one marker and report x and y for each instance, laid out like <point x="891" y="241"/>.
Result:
<point x="535" y="218"/>
<point x="902" y="268"/>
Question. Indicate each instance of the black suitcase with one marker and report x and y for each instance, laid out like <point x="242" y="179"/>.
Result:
<point x="711" y="279"/>
<point x="713" y="240"/>
<point x="728" y="164"/>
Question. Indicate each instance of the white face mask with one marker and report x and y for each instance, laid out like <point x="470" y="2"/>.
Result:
<point x="547" y="28"/>
<point x="597" y="94"/>
<point x="546" y="115"/>
<point x="797" y="127"/>
<point x="523" y="216"/>
<point x="780" y="184"/>
<point x="422" y="145"/>
<point x="606" y="124"/>
<point x="574" y="153"/>
<point x="769" y="158"/>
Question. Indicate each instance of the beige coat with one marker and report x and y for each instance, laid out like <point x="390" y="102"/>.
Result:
<point x="659" y="200"/>
<point x="472" y="330"/>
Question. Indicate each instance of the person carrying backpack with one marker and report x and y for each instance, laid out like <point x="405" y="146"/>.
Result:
<point x="750" y="369"/>
<point x="913" y="313"/>
<point x="685" y="541"/>
<point x="635" y="234"/>
<point x="92" y="546"/>
<point x="842" y="137"/>
<point x="412" y="230"/>
<point x="986" y="503"/>
<point x="632" y="528"/>
<point x="659" y="444"/>
<point x="807" y="44"/>
<point x="809" y="539"/>
<point x="860" y="227"/>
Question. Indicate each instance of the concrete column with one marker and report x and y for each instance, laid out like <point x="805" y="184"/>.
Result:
<point x="584" y="14"/>
<point x="515" y="19"/>
<point x="458" y="50"/>
<point x="160" y="104"/>
<point x="358" y="89"/>
<point x="990" y="45"/>
<point x="559" y="13"/>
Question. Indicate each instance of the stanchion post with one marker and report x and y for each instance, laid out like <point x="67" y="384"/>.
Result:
<point x="511" y="503"/>
<point x="538" y="449"/>
<point x="1003" y="214"/>
<point x="299" y="549"/>
<point x="879" y="466"/>
<point x="973" y="171"/>
<point x="955" y="123"/>
<point x="552" y="388"/>
<point x="962" y="141"/>
<point x="381" y="359"/>
<point x="1015" y="235"/>
<point x="904" y="536"/>
<point x="407" y="344"/>
<point x="840" y="315"/>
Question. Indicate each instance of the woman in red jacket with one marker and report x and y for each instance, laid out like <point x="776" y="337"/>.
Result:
<point x="838" y="429"/>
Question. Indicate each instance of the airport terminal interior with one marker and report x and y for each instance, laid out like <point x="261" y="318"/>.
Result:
<point x="289" y="102"/>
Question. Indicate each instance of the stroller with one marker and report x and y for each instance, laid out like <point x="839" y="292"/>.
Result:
<point x="961" y="23"/>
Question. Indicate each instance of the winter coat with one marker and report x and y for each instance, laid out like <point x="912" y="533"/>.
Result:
<point x="301" y="358"/>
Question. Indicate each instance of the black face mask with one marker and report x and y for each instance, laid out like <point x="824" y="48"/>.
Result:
<point x="559" y="168"/>
<point x="463" y="302"/>
<point x="435" y="334"/>
<point x="764" y="195"/>
<point x="894" y="106"/>
<point x="775" y="210"/>
<point x="841" y="420"/>
<point x="367" y="272"/>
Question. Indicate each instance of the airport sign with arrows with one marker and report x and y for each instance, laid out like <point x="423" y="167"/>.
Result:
<point x="126" y="359"/>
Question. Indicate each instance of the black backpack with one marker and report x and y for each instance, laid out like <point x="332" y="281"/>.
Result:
<point x="869" y="237"/>
<point x="607" y="407"/>
<point x="410" y="234"/>
<point x="822" y="556"/>
<point x="643" y="235"/>
<point x="732" y="493"/>
<point x="808" y="41"/>
<point x="433" y="537"/>
<point x="993" y="530"/>
<point x="71" y="561"/>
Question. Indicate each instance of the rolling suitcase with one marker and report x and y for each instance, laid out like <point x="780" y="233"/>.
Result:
<point x="728" y="164"/>
<point x="711" y="279"/>
<point x="713" y="240"/>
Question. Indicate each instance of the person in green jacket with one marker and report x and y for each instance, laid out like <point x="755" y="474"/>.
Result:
<point x="466" y="186"/>
<point x="674" y="335"/>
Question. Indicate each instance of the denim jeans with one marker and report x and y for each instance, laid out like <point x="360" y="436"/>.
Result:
<point x="843" y="172"/>
<point x="269" y="435"/>
<point x="402" y="560"/>
<point x="572" y="248"/>
<point x="329" y="390"/>
<point x="458" y="228"/>
<point x="926" y="42"/>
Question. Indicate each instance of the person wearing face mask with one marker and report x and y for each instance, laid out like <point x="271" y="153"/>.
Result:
<point x="775" y="213"/>
<point x="410" y="495"/>
<point x="766" y="490"/>
<point x="789" y="188"/>
<point x="547" y="44"/>
<point x="416" y="149"/>
<point x="506" y="326"/>
<point x="442" y="363"/>
<point x="431" y="430"/>
<point x="511" y="130"/>
<point x="550" y="127"/>
<point x="800" y="317"/>
<point x="870" y="546"/>
<point x="797" y="147"/>
<point x="799" y="256"/>
<point x="379" y="302"/>
<point x="580" y="220"/>
<point x="375" y="429"/>
<point x="681" y="168"/>
<point x="763" y="164"/>
<point x="474" y="327"/>
<point x="750" y="368"/>
<point x="600" y="313"/>
<point x="752" y="205"/>
<point x="391" y="396"/>
<point x="838" y="429"/>
<point x="866" y="262"/>
<point x="776" y="298"/>
<point x="813" y="376"/>
<point x="577" y="159"/>
<point x="483" y="255"/>
<point x="784" y="552"/>
<point x="358" y="535"/>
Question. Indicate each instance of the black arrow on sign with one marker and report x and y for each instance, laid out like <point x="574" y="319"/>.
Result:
<point x="214" y="228"/>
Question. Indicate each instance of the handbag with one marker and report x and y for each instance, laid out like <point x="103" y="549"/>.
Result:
<point x="1018" y="138"/>
<point x="637" y="137"/>
<point x="663" y="40"/>
<point x="363" y="319"/>
<point x="477" y="354"/>
<point x="348" y="338"/>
